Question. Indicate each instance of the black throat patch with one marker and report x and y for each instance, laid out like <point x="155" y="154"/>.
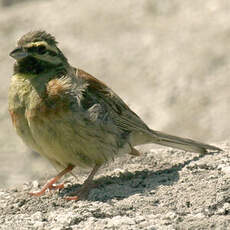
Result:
<point x="31" y="65"/>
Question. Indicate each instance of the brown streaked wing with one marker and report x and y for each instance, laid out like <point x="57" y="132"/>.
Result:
<point x="120" y="113"/>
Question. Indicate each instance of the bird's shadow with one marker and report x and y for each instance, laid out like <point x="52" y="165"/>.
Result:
<point x="130" y="183"/>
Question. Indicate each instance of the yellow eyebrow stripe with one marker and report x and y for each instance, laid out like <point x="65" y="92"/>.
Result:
<point x="48" y="47"/>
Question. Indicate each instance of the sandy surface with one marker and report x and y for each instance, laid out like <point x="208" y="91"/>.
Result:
<point x="169" y="60"/>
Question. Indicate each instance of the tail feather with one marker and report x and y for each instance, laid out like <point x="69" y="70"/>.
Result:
<point x="181" y="143"/>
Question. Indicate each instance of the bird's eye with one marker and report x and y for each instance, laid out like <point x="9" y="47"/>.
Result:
<point x="41" y="49"/>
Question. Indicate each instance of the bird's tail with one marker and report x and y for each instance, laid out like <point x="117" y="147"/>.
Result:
<point x="181" y="143"/>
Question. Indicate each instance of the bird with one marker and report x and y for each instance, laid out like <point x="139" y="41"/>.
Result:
<point x="72" y="118"/>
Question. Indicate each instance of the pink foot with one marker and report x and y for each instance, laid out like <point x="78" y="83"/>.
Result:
<point x="49" y="186"/>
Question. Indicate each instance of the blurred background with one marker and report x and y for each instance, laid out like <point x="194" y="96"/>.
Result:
<point x="168" y="59"/>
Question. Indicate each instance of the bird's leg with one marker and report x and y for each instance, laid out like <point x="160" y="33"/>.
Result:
<point x="84" y="190"/>
<point x="50" y="184"/>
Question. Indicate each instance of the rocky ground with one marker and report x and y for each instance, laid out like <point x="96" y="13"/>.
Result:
<point x="162" y="189"/>
<point x="169" y="60"/>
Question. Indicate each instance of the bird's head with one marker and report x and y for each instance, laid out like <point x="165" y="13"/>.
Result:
<point x="37" y="52"/>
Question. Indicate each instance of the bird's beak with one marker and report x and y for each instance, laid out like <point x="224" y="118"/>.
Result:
<point x="19" y="53"/>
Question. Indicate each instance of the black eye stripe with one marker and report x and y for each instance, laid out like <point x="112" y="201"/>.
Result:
<point x="38" y="49"/>
<point x="41" y="50"/>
